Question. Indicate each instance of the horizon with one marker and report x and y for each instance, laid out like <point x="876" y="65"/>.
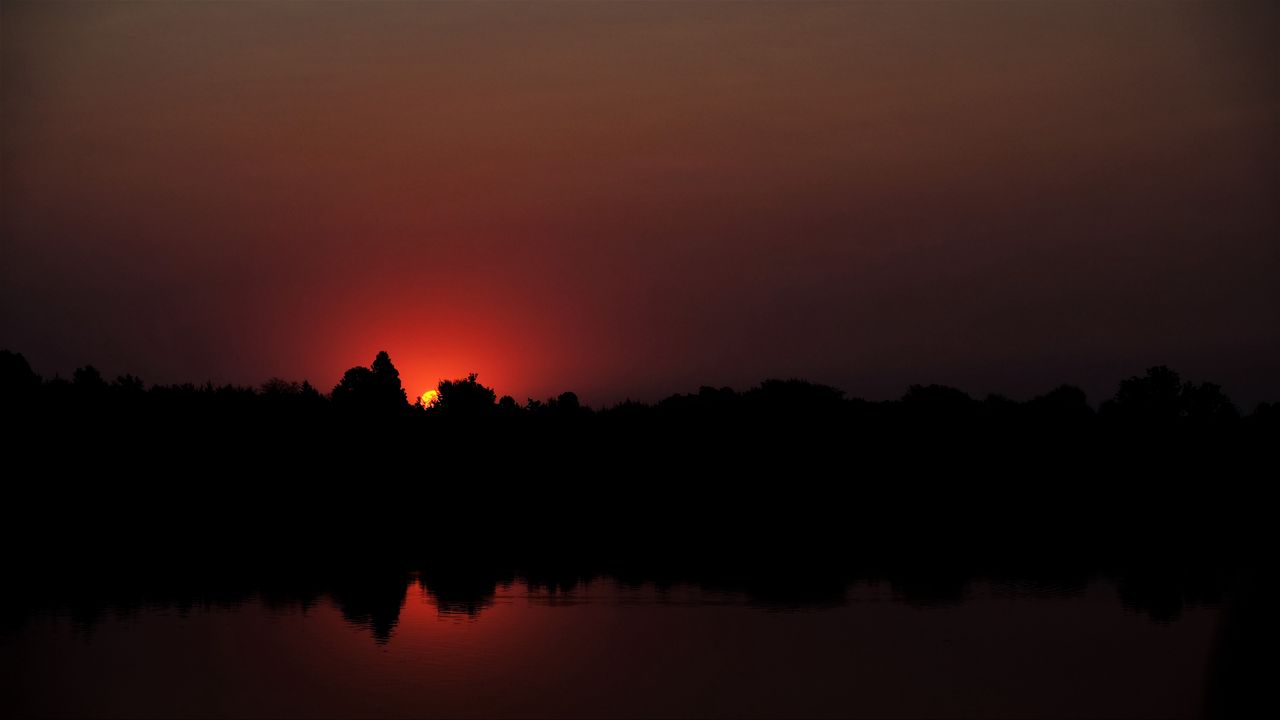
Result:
<point x="412" y="396"/>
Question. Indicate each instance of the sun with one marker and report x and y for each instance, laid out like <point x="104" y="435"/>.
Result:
<point x="430" y="397"/>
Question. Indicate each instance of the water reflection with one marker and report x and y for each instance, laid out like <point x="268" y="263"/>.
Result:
<point x="515" y="644"/>
<point x="373" y="598"/>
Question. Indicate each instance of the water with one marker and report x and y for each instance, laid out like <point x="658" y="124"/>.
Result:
<point x="607" y="649"/>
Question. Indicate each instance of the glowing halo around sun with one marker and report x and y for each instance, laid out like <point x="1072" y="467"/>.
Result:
<point x="429" y="398"/>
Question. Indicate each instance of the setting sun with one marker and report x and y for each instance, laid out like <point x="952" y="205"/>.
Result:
<point x="429" y="398"/>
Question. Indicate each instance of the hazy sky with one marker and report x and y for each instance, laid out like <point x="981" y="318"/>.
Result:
<point x="633" y="199"/>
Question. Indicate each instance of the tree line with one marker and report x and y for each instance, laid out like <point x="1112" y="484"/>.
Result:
<point x="1158" y="400"/>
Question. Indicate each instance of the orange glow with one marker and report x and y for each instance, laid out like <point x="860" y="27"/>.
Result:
<point x="430" y="397"/>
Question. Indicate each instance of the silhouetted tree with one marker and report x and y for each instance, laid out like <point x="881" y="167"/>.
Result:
<point x="1207" y="404"/>
<point x="386" y="373"/>
<point x="280" y="386"/>
<point x="1062" y="406"/>
<point x="17" y="380"/>
<point x="90" y="389"/>
<point x="1152" y="397"/>
<point x="563" y="407"/>
<point x="464" y="398"/>
<point x="508" y="407"/>
<point x="375" y="389"/>
<point x="938" y="404"/>
<point x="1161" y="399"/>
<point x="130" y="385"/>
<point x="88" y="379"/>
<point x="569" y="402"/>
<point x="1266" y="413"/>
<point x="354" y="385"/>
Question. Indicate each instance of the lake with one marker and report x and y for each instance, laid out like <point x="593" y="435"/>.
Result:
<point x="602" y="647"/>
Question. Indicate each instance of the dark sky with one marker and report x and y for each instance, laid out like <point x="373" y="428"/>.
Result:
<point x="633" y="199"/>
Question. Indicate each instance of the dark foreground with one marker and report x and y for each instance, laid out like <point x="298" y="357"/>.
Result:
<point x="204" y="551"/>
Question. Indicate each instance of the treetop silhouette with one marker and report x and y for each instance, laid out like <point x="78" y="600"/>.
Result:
<point x="373" y="390"/>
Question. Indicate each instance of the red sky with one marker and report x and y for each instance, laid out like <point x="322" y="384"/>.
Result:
<point x="633" y="199"/>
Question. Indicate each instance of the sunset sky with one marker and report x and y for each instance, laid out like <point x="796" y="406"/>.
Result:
<point x="634" y="199"/>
